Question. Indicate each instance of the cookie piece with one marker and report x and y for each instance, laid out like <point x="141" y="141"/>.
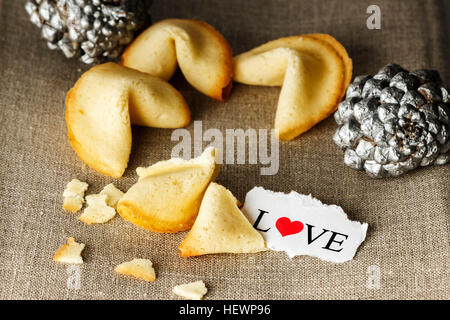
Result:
<point x="113" y="195"/>
<point x="97" y="210"/>
<point x="138" y="268"/>
<point x="70" y="253"/>
<point x="193" y="290"/>
<point x="74" y="195"/>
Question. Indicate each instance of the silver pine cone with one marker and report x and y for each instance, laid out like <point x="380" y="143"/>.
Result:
<point x="91" y="30"/>
<point x="394" y="122"/>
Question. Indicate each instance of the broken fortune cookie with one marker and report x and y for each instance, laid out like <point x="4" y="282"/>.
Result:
<point x="97" y="210"/>
<point x="138" y="268"/>
<point x="192" y="291"/>
<point x="74" y="195"/>
<point x="168" y="194"/>
<point x="220" y="227"/>
<point x="70" y="253"/>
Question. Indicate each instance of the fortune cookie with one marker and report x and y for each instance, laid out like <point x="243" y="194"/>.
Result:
<point x="204" y="56"/>
<point x="103" y="104"/>
<point x="312" y="70"/>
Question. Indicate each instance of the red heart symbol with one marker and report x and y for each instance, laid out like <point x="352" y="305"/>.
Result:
<point x="288" y="227"/>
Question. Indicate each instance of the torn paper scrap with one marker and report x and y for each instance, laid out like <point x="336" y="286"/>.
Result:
<point x="302" y="225"/>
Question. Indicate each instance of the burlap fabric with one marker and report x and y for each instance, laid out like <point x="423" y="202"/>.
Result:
<point x="408" y="239"/>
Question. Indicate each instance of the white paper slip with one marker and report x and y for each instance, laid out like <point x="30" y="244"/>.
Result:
<point x="302" y="225"/>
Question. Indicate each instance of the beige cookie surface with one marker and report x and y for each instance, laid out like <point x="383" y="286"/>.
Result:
<point x="113" y="195"/>
<point x="310" y="72"/>
<point x="103" y="104"/>
<point x="340" y="49"/>
<point x="201" y="52"/>
<point x="168" y="194"/>
<point x="220" y="227"/>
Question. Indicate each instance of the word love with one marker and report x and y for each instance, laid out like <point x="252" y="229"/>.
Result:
<point x="302" y="225"/>
<point x="286" y="227"/>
